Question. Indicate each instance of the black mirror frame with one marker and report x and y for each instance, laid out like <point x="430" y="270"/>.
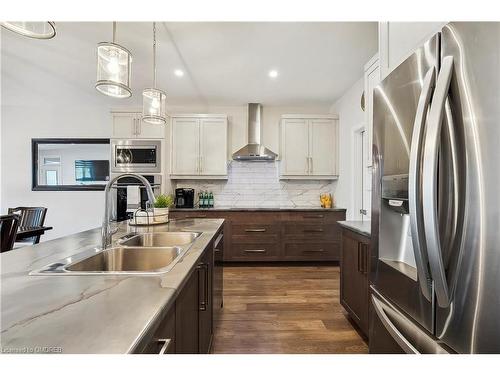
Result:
<point x="34" y="163"/>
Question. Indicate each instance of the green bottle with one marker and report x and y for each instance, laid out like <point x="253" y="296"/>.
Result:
<point x="205" y="199"/>
<point x="211" y="200"/>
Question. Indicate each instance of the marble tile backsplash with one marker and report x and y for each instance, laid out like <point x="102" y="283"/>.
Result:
<point x="257" y="185"/>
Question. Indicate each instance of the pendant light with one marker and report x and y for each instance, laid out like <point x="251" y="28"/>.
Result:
<point x="113" y="69"/>
<point x="36" y="30"/>
<point x="154" y="99"/>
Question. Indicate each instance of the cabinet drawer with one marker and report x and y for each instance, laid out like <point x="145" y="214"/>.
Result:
<point x="255" y="233"/>
<point x="307" y="231"/>
<point x="315" y="216"/>
<point x="312" y="251"/>
<point x="255" y="229"/>
<point x="253" y="251"/>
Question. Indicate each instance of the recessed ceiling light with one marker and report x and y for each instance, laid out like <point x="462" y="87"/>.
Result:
<point x="273" y="73"/>
<point x="178" y="72"/>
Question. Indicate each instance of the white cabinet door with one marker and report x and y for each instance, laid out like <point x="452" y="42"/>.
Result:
<point x="185" y="146"/>
<point x="372" y="79"/>
<point x="295" y="147"/>
<point x="124" y="125"/>
<point x="213" y="147"/>
<point x="322" y="148"/>
<point x="151" y="131"/>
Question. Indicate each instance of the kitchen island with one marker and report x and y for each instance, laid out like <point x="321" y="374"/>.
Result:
<point x="91" y="313"/>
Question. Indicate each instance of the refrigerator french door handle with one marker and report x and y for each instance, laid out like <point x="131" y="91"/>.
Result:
<point x="414" y="185"/>
<point x="430" y="188"/>
<point x="391" y="328"/>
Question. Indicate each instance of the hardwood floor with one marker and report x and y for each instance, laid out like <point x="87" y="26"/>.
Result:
<point x="284" y="309"/>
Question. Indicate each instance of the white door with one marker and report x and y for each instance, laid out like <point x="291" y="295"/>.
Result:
<point x="185" y="146"/>
<point x="124" y="125"/>
<point x="322" y="150"/>
<point x="295" y="133"/>
<point x="151" y="131"/>
<point x="213" y="147"/>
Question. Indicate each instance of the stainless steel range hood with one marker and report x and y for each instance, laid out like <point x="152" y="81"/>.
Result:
<point x="254" y="150"/>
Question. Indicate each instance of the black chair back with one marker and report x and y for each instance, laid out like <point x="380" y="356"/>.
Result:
<point x="30" y="217"/>
<point x="8" y="231"/>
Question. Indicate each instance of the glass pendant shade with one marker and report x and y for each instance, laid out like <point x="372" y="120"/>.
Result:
<point x="154" y="106"/>
<point x="113" y="69"/>
<point x="37" y="30"/>
<point x="154" y="100"/>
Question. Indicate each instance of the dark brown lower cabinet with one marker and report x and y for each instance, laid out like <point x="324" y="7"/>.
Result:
<point x="193" y="310"/>
<point x="186" y="317"/>
<point x="164" y="340"/>
<point x="218" y="277"/>
<point x="188" y="326"/>
<point x="205" y="299"/>
<point x="276" y="235"/>
<point x="354" y="283"/>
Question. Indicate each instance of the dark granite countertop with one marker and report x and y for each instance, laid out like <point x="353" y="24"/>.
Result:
<point x="361" y="227"/>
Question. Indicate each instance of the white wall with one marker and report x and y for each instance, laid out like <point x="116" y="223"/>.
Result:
<point x="350" y="117"/>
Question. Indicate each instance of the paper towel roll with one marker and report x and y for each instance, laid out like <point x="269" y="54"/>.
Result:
<point x="133" y="196"/>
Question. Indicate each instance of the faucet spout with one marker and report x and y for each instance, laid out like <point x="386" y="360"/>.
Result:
<point x="106" y="234"/>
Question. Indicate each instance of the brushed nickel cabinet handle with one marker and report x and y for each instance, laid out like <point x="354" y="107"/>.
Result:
<point x="196" y="217"/>
<point x="256" y="230"/>
<point x="313" y="230"/>
<point x="314" y="251"/>
<point x="255" y="250"/>
<point x="165" y="344"/>
<point x="202" y="305"/>
<point x="319" y="216"/>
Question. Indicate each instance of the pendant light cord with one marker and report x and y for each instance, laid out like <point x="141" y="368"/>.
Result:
<point x="114" y="30"/>
<point x="154" y="54"/>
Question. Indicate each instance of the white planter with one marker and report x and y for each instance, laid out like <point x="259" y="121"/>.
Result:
<point x="160" y="215"/>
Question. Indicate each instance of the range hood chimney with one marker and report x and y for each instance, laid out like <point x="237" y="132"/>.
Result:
<point x="254" y="150"/>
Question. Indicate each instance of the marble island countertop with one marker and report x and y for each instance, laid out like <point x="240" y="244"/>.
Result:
<point x="361" y="227"/>
<point x="88" y="314"/>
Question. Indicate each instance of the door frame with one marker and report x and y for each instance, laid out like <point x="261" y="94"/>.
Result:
<point x="357" y="159"/>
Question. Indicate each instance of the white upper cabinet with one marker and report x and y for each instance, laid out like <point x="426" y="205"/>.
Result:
<point x="398" y="40"/>
<point x="295" y="147"/>
<point x="199" y="146"/>
<point x="130" y="125"/>
<point x="185" y="146"/>
<point x="213" y="146"/>
<point x="372" y="79"/>
<point x="309" y="147"/>
<point x="322" y="147"/>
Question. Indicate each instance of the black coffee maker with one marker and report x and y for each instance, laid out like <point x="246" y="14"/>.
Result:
<point x="184" y="198"/>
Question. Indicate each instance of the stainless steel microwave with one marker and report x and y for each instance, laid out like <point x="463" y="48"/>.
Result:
<point x="140" y="156"/>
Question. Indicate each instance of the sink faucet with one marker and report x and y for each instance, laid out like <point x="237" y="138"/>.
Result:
<point x="106" y="233"/>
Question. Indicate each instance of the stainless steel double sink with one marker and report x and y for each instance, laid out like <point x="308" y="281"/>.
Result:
<point x="134" y="254"/>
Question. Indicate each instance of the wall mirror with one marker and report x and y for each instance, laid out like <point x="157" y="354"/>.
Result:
<point x="70" y="163"/>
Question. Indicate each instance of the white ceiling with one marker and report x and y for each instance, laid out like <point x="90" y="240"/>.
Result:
<point x="225" y="63"/>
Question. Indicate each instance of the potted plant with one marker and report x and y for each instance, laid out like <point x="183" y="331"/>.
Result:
<point x="160" y="207"/>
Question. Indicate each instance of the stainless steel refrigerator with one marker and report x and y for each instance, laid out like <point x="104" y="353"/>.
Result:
<point x="435" y="266"/>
